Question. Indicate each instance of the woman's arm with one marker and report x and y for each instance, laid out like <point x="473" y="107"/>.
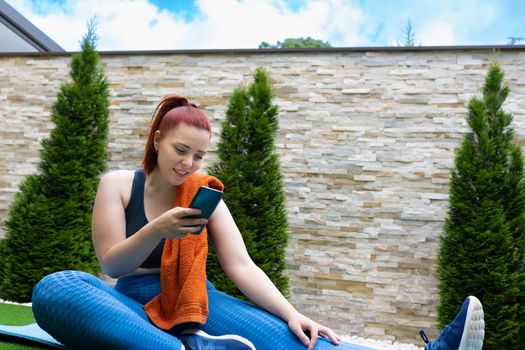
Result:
<point x="117" y="254"/>
<point x="253" y="282"/>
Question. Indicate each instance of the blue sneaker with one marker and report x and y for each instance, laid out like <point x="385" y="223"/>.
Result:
<point x="198" y="339"/>
<point x="465" y="332"/>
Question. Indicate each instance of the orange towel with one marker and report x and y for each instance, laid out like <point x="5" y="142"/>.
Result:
<point x="183" y="297"/>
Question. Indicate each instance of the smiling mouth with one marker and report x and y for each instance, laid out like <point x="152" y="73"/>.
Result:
<point x="181" y="173"/>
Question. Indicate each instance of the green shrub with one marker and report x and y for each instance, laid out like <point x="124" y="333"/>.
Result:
<point x="49" y="221"/>
<point x="482" y="247"/>
<point x="249" y="168"/>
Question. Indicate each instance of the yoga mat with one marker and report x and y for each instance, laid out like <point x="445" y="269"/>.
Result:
<point x="30" y="332"/>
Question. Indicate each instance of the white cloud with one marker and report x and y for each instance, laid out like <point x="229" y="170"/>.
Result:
<point x="140" y="25"/>
<point x="437" y="32"/>
<point x="451" y="25"/>
<point x="123" y="24"/>
<point x="248" y="23"/>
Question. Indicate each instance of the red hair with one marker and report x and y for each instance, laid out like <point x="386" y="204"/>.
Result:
<point x="172" y="111"/>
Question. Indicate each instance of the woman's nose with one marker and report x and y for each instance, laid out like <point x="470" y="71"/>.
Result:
<point x="187" y="161"/>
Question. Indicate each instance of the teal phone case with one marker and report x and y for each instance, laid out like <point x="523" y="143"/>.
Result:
<point x="206" y="199"/>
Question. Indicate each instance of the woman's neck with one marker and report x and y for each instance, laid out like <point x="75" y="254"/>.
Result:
<point x="158" y="188"/>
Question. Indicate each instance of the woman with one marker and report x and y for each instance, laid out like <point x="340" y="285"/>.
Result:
<point x="143" y="237"/>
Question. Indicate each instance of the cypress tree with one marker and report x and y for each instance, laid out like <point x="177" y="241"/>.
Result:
<point x="250" y="170"/>
<point x="49" y="221"/>
<point x="483" y="243"/>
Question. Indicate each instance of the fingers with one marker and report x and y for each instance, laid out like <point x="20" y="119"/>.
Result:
<point x="314" y="332"/>
<point x="175" y="223"/>
<point x="326" y="332"/>
<point x="192" y="222"/>
<point x="183" y="212"/>
<point x="304" y="338"/>
<point x="298" y="331"/>
<point x="188" y="216"/>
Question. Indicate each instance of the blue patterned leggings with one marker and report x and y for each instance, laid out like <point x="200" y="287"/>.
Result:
<point x="83" y="312"/>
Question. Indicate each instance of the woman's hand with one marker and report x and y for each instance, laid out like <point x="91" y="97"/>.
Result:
<point x="174" y="223"/>
<point x="300" y="324"/>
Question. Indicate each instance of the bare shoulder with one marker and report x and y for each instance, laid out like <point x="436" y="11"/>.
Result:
<point x="117" y="182"/>
<point x="117" y="178"/>
<point x="118" y="175"/>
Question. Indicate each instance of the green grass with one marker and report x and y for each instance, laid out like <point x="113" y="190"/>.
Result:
<point x="16" y="315"/>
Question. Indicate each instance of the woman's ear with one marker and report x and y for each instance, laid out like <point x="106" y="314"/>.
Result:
<point x="156" y="139"/>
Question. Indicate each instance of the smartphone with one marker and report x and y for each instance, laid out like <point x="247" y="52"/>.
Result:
<point x="206" y="199"/>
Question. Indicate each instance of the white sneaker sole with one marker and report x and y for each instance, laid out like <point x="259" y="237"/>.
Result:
<point x="474" y="331"/>
<point x="228" y="336"/>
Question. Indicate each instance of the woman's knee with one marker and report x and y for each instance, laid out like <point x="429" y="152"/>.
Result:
<point x="57" y="289"/>
<point x="56" y="285"/>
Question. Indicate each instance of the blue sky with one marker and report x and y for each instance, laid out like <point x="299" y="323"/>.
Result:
<point x="226" y="24"/>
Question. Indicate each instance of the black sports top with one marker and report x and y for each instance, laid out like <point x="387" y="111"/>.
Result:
<point x="136" y="217"/>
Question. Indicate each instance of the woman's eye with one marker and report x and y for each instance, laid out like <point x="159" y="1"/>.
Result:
<point x="180" y="150"/>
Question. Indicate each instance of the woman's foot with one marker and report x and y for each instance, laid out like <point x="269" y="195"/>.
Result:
<point x="465" y="332"/>
<point x="194" y="339"/>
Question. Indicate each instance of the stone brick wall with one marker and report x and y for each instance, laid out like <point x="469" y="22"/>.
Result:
<point x="366" y="142"/>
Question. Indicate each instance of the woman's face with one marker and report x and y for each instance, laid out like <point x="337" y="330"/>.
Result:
<point x="180" y="152"/>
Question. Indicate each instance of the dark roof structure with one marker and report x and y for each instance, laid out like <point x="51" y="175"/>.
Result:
<point x="17" y="34"/>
